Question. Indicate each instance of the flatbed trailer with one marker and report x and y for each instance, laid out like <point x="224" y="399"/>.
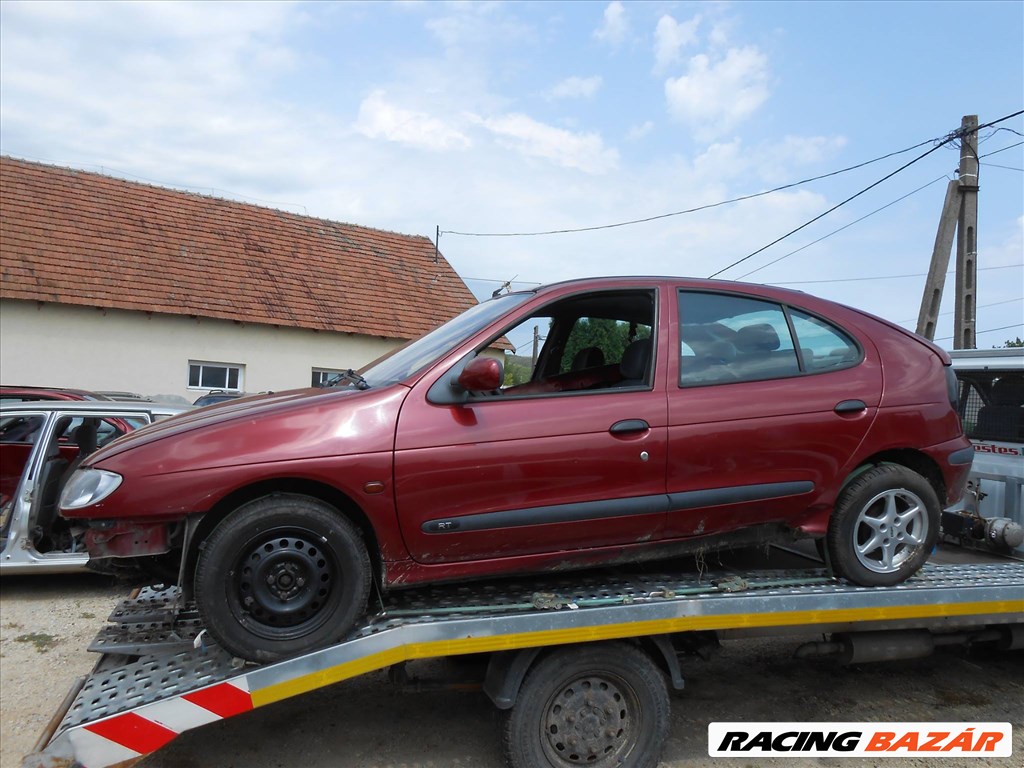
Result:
<point x="578" y="664"/>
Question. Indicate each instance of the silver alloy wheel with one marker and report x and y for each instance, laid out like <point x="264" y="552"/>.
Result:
<point x="889" y="529"/>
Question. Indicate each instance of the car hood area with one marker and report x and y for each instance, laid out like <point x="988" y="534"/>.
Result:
<point x="292" y="424"/>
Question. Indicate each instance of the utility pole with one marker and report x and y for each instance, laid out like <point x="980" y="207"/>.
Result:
<point x="536" y="345"/>
<point x="959" y="214"/>
<point x="967" y="238"/>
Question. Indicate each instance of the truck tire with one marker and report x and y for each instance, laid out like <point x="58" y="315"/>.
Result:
<point x="597" y="705"/>
<point x="884" y="526"/>
<point x="280" y="576"/>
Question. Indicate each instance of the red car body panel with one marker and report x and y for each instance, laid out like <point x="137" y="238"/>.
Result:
<point x="512" y="484"/>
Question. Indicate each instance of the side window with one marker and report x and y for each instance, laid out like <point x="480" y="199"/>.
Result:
<point x="822" y="345"/>
<point x="20" y="429"/>
<point x="596" y="341"/>
<point x="726" y="338"/>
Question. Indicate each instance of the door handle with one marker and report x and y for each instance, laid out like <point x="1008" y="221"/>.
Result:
<point x="850" y="406"/>
<point x="629" y="425"/>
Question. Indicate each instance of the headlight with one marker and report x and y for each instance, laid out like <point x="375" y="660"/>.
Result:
<point x="88" y="486"/>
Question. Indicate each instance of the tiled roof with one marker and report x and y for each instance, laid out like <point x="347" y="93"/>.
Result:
<point x="73" y="237"/>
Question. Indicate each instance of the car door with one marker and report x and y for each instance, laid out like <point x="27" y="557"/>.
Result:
<point x="760" y="423"/>
<point x="563" y="460"/>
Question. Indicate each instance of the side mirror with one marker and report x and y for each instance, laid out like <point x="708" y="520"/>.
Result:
<point x="483" y="374"/>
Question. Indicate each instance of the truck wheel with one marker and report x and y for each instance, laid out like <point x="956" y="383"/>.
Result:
<point x="281" y="575"/>
<point x="884" y="526"/>
<point x="597" y="705"/>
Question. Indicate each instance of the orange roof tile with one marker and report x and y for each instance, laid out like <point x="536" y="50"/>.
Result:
<point x="72" y="237"/>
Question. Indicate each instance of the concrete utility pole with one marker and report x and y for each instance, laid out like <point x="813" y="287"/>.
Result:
<point x="967" y="238"/>
<point x="959" y="214"/>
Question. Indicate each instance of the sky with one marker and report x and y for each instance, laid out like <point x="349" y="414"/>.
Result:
<point x="491" y="117"/>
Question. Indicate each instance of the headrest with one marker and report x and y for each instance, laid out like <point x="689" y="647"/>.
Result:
<point x="85" y="436"/>
<point x="588" y="357"/>
<point x="635" y="359"/>
<point x="757" y="338"/>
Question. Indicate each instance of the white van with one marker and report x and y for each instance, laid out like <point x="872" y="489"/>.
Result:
<point x="992" y="412"/>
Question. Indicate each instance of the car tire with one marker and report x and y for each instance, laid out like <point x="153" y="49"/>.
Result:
<point x="884" y="526"/>
<point x="281" y="575"/>
<point x="598" y="705"/>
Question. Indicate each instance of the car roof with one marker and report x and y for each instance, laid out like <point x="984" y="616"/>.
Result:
<point x="106" y="407"/>
<point x="53" y="392"/>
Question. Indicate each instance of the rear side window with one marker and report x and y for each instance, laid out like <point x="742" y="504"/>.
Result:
<point x="726" y="338"/>
<point x="733" y="338"/>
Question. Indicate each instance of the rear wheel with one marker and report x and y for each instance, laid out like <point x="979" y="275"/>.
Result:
<point x="280" y="576"/>
<point x="602" y="705"/>
<point x="884" y="526"/>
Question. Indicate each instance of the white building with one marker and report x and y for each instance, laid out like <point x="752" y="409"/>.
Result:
<point x="107" y="284"/>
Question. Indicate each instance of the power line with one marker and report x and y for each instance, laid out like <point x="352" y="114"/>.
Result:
<point x="996" y="152"/>
<point x="688" y="210"/>
<point x="980" y="306"/>
<point x="990" y="330"/>
<point x="883" y="276"/>
<point x="952" y="136"/>
<point x="837" y="231"/>
<point x="1004" y="167"/>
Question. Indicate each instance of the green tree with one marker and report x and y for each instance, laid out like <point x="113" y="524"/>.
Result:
<point x="1014" y="343"/>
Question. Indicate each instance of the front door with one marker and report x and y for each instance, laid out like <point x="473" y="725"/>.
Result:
<point x="570" y="454"/>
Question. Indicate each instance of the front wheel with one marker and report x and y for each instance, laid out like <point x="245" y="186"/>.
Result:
<point x="602" y="705"/>
<point x="884" y="526"/>
<point x="281" y="575"/>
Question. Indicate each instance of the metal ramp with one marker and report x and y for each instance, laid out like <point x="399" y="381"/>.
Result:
<point x="125" y="711"/>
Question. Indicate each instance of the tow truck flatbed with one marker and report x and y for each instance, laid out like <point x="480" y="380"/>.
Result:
<point x="159" y="676"/>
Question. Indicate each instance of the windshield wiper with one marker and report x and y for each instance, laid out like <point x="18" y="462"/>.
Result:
<point x="348" y="375"/>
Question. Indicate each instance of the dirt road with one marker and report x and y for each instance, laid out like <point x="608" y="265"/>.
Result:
<point x="46" y="623"/>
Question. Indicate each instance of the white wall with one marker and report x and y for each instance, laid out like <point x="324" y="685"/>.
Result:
<point x="65" y="346"/>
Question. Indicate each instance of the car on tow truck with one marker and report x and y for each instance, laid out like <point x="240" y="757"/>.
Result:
<point x="42" y="442"/>
<point x="659" y="416"/>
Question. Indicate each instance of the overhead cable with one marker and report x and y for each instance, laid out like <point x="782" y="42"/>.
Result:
<point x="837" y="231"/>
<point x="884" y="277"/>
<point x="688" y="210"/>
<point x="951" y="137"/>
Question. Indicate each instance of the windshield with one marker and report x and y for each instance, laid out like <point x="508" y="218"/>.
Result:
<point x="416" y="355"/>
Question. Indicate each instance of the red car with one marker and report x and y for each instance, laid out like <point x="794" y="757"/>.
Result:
<point x="645" y="417"/>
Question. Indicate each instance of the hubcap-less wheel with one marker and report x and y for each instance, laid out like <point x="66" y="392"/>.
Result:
<point x="889" y="529"/>
<point x="589" y="721"/>
<point x="281" y="575"/>
<point x="284" y="578"/>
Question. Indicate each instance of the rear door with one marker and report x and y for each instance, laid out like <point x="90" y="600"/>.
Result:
<point x="768" y="404"/>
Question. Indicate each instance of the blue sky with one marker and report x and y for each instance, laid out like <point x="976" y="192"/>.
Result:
<point x="520" y="117"/>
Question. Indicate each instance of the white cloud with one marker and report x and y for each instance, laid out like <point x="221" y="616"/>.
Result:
<point x="615" y="26"/>
<point x="380" y="119"/>
<point x="575" y="88"/>
<point x="582" y="151"/>
<point x="637" y="132"/>
<point x="714" y="97"/>
<point x="670" y="37"/>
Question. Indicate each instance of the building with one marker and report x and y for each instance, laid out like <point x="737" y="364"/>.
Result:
<point x="108" y="284"/>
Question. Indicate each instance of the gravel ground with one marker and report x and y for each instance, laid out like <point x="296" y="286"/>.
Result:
<point x="46" y="623"/>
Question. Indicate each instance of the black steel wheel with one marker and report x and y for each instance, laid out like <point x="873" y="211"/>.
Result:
<point x="598" y="705"/>
<point x="884" y="526"/>
<point x="281" y="575"/>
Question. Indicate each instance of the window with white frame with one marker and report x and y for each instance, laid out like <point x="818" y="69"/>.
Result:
<point x="207" y="375"/>
<point x="323" y="375"/>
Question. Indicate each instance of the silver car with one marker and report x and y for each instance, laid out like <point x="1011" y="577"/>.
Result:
<point x="41" y="445"/>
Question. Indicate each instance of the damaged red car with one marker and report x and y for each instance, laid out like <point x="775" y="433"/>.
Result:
<point x="590" y="422"/>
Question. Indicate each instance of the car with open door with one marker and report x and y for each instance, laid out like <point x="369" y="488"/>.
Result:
<point x="42" y="442"/>
<point x="585" y="423"/>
